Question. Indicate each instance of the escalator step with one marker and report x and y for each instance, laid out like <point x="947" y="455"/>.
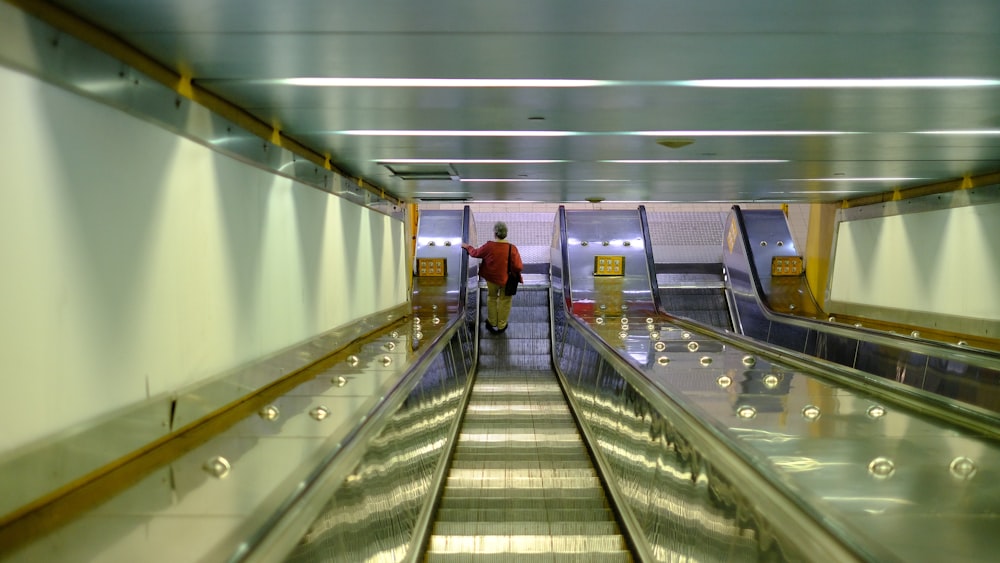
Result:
<point x="533" y="362"/>
<point x="523" y="514"/>
<point x="617" y="557"/>
<point x="524" y="498"/>
<point x="527" y="544"/>
<point x="518" y="528"/>
<point x="533" y="490"/>
<point x="514" y="346"/>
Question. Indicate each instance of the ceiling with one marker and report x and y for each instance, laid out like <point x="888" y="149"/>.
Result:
<point x="629" y="117"/>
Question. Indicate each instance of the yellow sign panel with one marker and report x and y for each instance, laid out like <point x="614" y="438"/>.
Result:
<point x="609" y="265"/>
<point x="786" y="266"/>
<point x="432" y="267"/>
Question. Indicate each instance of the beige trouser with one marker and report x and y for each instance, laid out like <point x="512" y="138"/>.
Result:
<point x="497" y="305"/>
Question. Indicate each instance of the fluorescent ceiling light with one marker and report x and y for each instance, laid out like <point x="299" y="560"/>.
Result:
<point x="515" y="200"/>
<point x="842" y="83"/>
<point x="528" y="133"/>
<point x="822" y="192"/>
<point x="351" y="82"/>
<point x="444" y="82"/>
<point x="554" y="161"/>
<point x="537" y="180"/>
<point x="436" y="133"/>
<point x="694" y="161"/>
<point x="846" y="179"/>
<point x="736" y="133"/>
<point x="984" y="132"/>
<point x="463" y="161"/>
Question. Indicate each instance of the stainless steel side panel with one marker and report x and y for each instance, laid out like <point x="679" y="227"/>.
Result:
<point x="616" y="233"/>
<point x="891" y="482"/>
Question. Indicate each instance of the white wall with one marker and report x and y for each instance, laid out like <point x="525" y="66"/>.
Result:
<point x="136" y="262"/>
<point x="941" y="262"/>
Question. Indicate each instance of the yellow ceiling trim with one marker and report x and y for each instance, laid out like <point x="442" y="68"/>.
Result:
<point x="964" y="183"/>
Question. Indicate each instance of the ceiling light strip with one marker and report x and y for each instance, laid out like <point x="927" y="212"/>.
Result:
<point x="442" y="82"/>
<point x="463" y="161"/>
<point x="846" y="179"/>
<point x="842" y="83"/>
<point x="588" y="180"/>
<point x="526" y="133"/>
<point x="801" y="83"/>
<point x="968" y="132"/>
<point x="446" y="133"/>
<point x="692" y="161"/>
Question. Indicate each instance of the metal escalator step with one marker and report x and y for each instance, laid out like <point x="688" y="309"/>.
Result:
<point x="528" y="449"/>
<point x="477" y="499"/>
<point x="524" y="544"/>
<point x="515" y="375"/>
<point x="530" y="446"/>
<point x="534" y="315"/>
<point x="476" y="481"/>
<point x="542" y="466"/>
<point x="496" y="440"/>
<point x="486" y="412"/>
<point x="469" y="455"/>
<point x="514" y="346"/>
<point x="618" y="557"/>
<point x="533" y="362"/>
<point x="504" y="391"/>
<point x="491" y="434"/>
<point x="518" y="330"/>
<point x="515" y="527"/>
<point x="533" y="400"/>
<point x="544" y="434"/>
<point x="517" y="381"/>
<point x="524" y="514"/>
<point x="522" y="558"/>
<point x="495" y="422"/>
<point x="522" y="471"/>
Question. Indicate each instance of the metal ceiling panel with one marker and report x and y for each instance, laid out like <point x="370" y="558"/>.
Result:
<point x="242" y="50"/>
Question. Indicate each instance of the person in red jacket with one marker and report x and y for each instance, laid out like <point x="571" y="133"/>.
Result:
<point x="494" y="270"/>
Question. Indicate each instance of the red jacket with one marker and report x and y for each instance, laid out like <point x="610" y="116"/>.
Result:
<point x="494" y="265"/>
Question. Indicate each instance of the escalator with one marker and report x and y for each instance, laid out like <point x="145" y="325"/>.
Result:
<point x="521" y="484"/>
<point x="423" y="443"/>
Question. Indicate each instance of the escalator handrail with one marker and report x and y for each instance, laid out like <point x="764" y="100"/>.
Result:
<point x="654" y="284"/>
<point x="564" y="249"/>
<point x="964" y="415"/>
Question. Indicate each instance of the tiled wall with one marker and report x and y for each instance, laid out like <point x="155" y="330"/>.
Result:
<point x="530" y="224"/>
